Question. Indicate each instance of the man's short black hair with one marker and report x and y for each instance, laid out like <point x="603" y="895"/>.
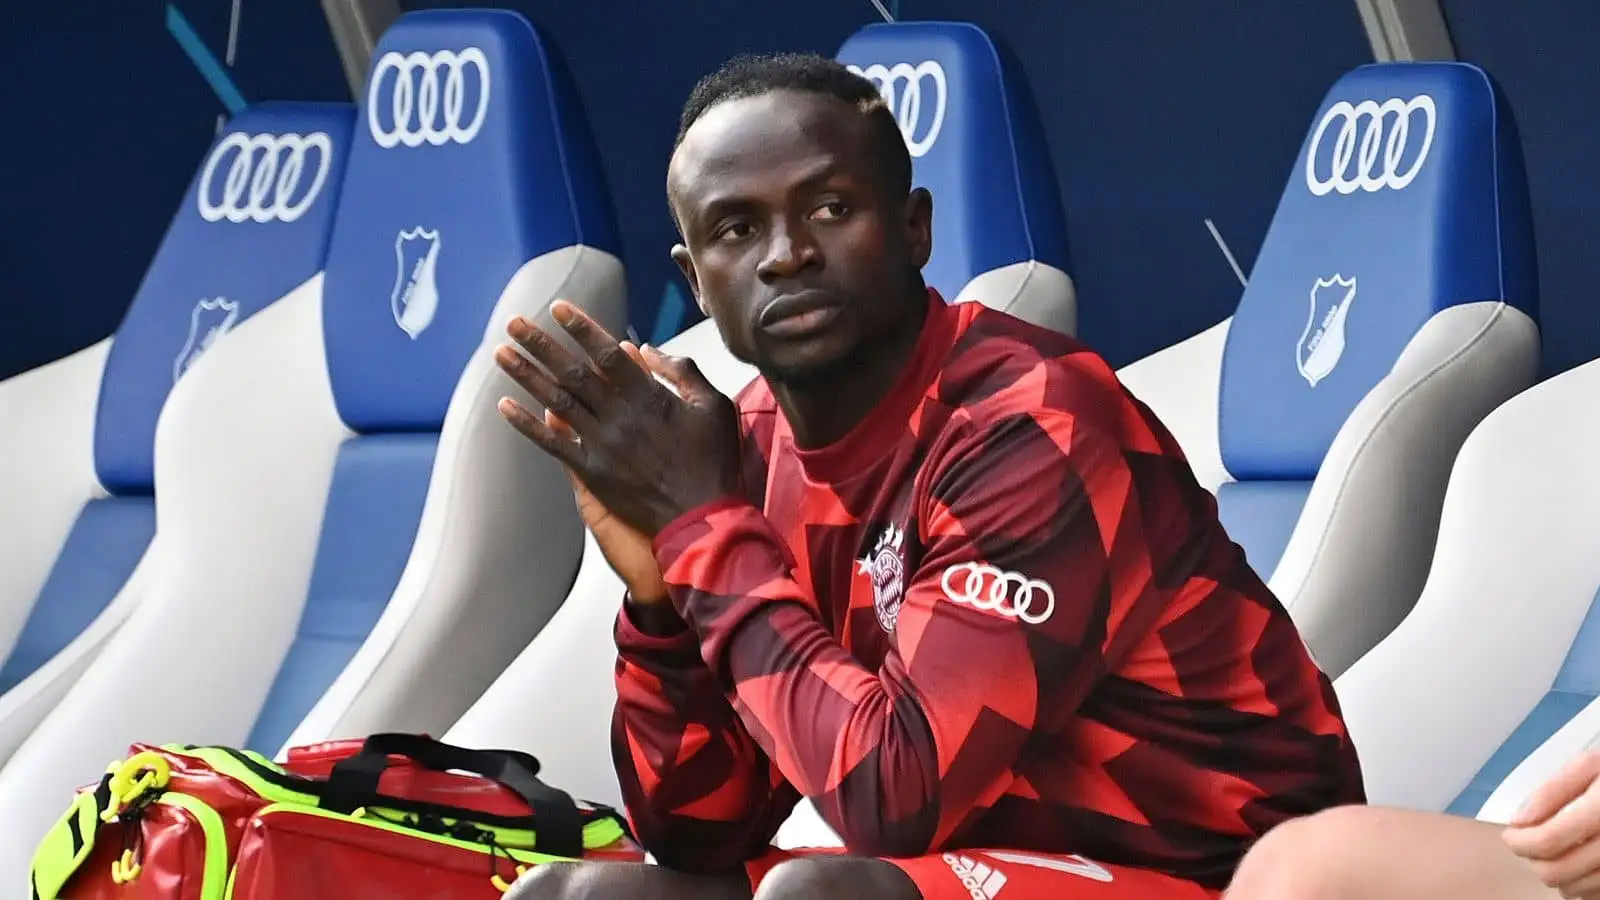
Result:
<point x="754" y="75"/>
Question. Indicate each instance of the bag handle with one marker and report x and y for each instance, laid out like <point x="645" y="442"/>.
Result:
<point x="353" y="783"/>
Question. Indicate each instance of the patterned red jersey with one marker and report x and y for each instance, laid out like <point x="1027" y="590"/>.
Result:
<point x="1000" y="612"/>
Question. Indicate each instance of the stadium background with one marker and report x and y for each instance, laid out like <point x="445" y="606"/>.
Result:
<point x="1161" y="115"/>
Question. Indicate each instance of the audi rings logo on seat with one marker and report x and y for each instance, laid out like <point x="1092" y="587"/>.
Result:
<point x="902" y="88"/>
<point x="1372" y="146"/>
<point x="266" y="180"/>
<point x="1007" y="593"/>
<point x="428" y="98"/>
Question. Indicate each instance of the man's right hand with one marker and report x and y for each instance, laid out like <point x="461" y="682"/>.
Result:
<point x="627" y="550"/>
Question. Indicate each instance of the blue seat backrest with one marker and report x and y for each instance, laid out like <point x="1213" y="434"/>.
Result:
<point x="253" y="226"/>
<point x="976" y="143"/>
<point x="471" y="158"/>
<point x="1408" y="197"/>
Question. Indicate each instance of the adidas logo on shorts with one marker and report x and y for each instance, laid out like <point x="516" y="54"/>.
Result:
<point x="980" y="879"/>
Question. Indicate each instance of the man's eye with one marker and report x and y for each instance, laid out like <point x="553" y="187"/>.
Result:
<point x="733" y="231"/>
<point x="833" y="210"/>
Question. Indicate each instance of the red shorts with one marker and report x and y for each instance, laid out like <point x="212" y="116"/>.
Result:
<point x="1015" y="875"/>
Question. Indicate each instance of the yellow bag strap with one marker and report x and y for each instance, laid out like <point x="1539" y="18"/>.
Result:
<point x="70" y="841"/>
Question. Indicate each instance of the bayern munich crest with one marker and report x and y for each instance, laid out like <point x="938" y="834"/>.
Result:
<point x="886" y="566"/>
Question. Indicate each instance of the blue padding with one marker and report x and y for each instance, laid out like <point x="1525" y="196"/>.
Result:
<point x="1387" y="220"/>
<point x="472" y="156"/>
<point x="1576" y="686"/>
<point x="374" y="506"/>
<point x="253" y="226"/>
<point x="1555" y="710"/>
<point x="976" y="141"/>
<point x="1260" y="517"/>
<point x="101" y="551"/>
<point x="1580" y="673"/>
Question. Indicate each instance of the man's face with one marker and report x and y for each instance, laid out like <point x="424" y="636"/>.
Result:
<point x="793" y="245"/>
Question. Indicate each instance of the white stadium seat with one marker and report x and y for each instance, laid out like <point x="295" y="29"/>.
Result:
<point x="76" y="467"/>
<point x="1393" y="305"/>
<point x="353" y="539"/>
<point x="1490" y="684"/>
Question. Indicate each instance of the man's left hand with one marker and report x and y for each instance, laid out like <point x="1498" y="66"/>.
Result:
<point x="647" y="452"/>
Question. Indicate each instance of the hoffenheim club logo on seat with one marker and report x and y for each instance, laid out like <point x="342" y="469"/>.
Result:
<point x="415" y="298"/>
<point x="1322" y="343"/>
<point x="208" y="322"/>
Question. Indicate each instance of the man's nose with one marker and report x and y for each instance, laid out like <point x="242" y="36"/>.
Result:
<point x="790" y="252"/>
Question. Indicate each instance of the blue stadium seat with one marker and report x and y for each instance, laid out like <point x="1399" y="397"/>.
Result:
<point x="976" y="142"/>
<point x="79" y="479"/>
<point x="998" y="240"/>
<point x="1393" y="305"/>
<point x="353" y="538"/>
<point x="1490" y="685"/>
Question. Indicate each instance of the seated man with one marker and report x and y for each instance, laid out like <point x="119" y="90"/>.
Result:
<point x="1549" y="850"/>
<point x="936" y="572"/>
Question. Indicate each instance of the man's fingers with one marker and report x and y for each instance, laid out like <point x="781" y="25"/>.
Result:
<point x="1568" y="784"/>
<point x="609" y="357"/>
<point x="571" y="371"/>
<point x="564" y="431"/>
<point x="659" y="365"/>
<point x="680" y="373"/>
<point x="558" y="424"/>
<point x="635" y="354"/>
<point x="543" y="388"/>
<point x="566" y="450"/>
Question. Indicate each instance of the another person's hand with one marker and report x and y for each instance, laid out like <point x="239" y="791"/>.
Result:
<point x="1558" y="829"/>
<point x="642" y="452"/>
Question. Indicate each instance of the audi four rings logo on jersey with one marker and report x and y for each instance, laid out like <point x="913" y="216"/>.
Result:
<point x="1007" y="593"/>
<point x="901" y="86"/>
<point x="266" y="179"/>
<point x="428" y="98"/>
<point x="1366" y="128"/>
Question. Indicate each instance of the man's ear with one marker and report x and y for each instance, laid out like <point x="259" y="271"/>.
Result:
<point x="919" y="226"/>
<point x="680" y="255"/>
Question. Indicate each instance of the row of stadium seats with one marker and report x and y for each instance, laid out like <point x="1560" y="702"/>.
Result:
<point x="278" y="505"/>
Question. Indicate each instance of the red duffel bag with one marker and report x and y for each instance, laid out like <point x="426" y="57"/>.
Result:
<point x="396" y="815"/>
